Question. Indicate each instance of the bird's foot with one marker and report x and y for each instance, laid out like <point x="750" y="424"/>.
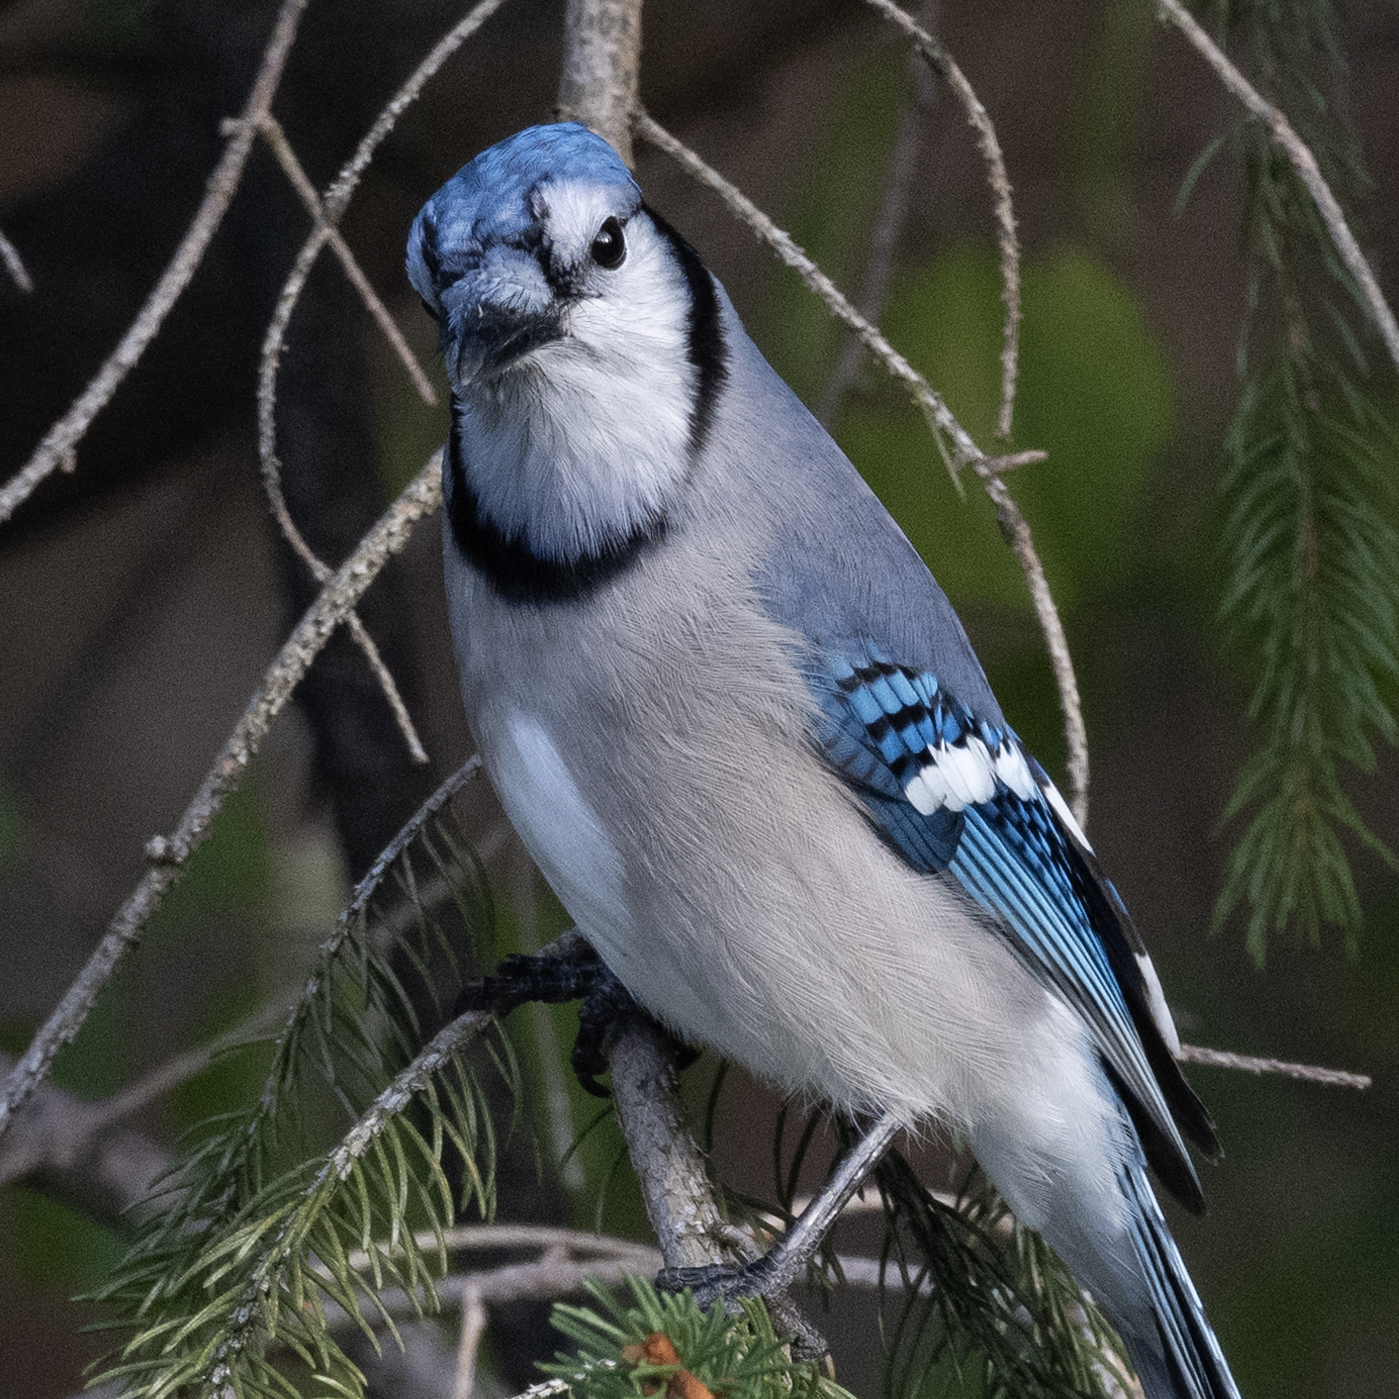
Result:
<point x="552" y="978"/>
<point x="726" y="1284"/>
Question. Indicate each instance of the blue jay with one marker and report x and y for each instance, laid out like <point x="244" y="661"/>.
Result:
<point x="744" y="736"/>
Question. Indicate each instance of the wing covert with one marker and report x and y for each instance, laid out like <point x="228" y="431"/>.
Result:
<point x="956" y="794"/>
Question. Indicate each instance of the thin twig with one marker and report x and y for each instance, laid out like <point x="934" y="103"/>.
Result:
<point x="327" y="212"/>
<point x="481" y="1238"/>
<point x="964" y="450"/>
<point x="473" y="1328"/>
<point x="14" y="264"/>
<point x="166" y="855"/>
<point x="943" y="64"/>
<point x="364" y="890"/>
<point x="1012" y="460"/>
<point x="1247" y="1063"/>
<point x="58" y="449"/>
<point x="1303" y="162"/>
<point x="340" y="191"/>
<point x="272" y="482"/>
<point x="271" y="131"/>
<point x="1016" y="530"/>
<point x="71" y="1145"/>
<point x="884" y="238"/>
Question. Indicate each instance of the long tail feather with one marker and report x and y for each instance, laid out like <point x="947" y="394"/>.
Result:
<point x="1183" y="1360"/>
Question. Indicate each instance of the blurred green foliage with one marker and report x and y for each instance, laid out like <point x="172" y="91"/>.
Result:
<point x="229" y="876"/>
<point x="1094" y="393"/>
<point x="52" y="1244"/>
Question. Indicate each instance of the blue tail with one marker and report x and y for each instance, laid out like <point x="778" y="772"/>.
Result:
<point x="1183" y="1359"/>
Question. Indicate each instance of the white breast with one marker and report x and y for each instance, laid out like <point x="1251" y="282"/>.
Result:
<point x="559" y="828"/>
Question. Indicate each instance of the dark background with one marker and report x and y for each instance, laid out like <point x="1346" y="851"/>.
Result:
<point x="143" y="595"/>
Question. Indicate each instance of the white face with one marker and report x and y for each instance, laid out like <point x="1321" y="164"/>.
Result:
<point x="580" y="440"/>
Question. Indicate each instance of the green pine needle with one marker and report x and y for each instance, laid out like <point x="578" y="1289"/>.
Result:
<point x="1312" y="598"/>
<point x="738" y="1357"/>
<point x="267" y="1229"/>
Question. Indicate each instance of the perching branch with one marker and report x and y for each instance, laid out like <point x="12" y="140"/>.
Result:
<point x="669" y="1165"/>
<point x="58" y="449"/>
<point x="166" y="856"/>
<point x="942" y="63"/>
<point x="964" y="450"/>
<point x="1303" y="162"/>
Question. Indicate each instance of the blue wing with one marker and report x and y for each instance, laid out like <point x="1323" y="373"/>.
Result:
<point x="953" y="791"/>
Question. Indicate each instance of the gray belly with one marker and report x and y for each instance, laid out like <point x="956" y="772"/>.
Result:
<point x="658" y="768"/>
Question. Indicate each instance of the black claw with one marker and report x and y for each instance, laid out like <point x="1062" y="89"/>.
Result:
<point x="553" y="979"/>
<point x="726" y="1283"/>
<point x="520" y="979"/>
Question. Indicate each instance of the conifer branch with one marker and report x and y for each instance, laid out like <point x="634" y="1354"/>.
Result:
<point x="1303" y="162"/>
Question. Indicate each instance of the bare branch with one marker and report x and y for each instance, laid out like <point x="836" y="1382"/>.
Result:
<point x="1303" y="162"/>
<point x="272" y="471"/>
<point x="72" y="1146"/>
<point x="276" y="138"/>
<point x="1012" y="460"/>
<point x="942" y="63"/>
<point x="57" y="450"/>
<point x="271" y="131"/>
<point x="14" y="264"/>
<point x="964" y="450"/>
<point x="166" y="855"/>
<point x="668" y="1162"/>
<point x="339" y="193"/>
<point x="473" y="1328"/>
<point x="327" y="212"/>
<point x="1247" y="1063"/>
<point x="1017" y="534"/>
<point x="479" y="1238"/>
<point x="79" y="1147"/>
<point x="601" y="65"/>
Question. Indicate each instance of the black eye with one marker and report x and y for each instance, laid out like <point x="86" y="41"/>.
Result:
<point x="609" y="247"/>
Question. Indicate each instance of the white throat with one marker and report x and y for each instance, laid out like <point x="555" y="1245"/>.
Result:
<point x="586" y="440"/>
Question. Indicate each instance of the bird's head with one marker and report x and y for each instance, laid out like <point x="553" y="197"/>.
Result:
<point x="509" y="252"/>
<point x="580" y="333"/>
